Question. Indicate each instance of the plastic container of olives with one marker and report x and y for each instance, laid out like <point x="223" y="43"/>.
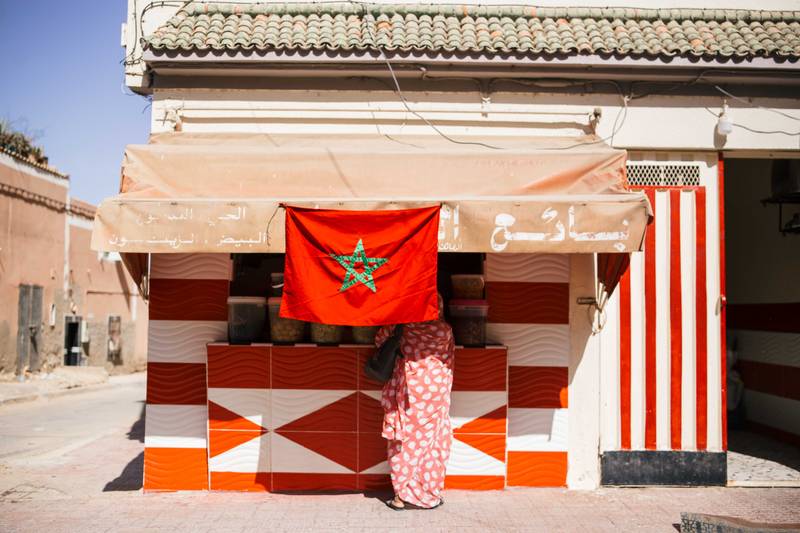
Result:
<point x="326" y="333"/>
<point x="283" y="330"/>
<point x="467" y="286"/>
<point x="364" y="334"/>
<point x="468" y="319"/>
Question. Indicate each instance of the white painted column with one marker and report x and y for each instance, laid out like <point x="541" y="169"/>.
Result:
<point x="609" y="377"/>
<point x="583" y="459"/>
<point x="714" y="366"/>
<point x="638" y="324"/>
<point x="662" y="318"/>
<point x="688" y="322"/>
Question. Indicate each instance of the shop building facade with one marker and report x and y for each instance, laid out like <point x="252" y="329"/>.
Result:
<point x="642" y="401"/>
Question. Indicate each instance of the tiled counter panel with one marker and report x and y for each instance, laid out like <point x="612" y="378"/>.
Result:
<point x="187" y="310"/>
<point x="528" y="298"/>
<point x="284" y="418"/>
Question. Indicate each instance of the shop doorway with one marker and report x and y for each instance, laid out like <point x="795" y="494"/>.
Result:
<point x="762" y="263"/>
<point x="72" y="340"/>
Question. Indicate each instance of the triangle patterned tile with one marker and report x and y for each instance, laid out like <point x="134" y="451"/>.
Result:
<point x="221" y="418"/>
<point x="466" y="406"/>
<point x="313" y="453"/>
<point x="374" y="394"/>
<point x="370" y="414"/>
<point x="291" y="404"/>
<point x="492" y="422"/>
<point x="380" y="468"/>
<point x="239" y="451"/>
<point x="493" y="445"/>
<point x="468" y="460"/>
<point x="250" y="404"/>
<point x="337" y="416"/>
<point x="220" y="441"/>
<point x="371" y="451"/>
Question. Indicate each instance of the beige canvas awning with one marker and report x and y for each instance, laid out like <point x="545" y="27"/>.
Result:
<point x="222" y="192"/>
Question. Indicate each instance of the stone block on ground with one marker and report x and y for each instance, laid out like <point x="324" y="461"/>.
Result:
<point x="706" y="523"/>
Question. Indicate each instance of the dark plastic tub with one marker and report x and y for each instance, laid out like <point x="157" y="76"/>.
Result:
<point x="247" y="318"/>
<point x="468" y="318"/>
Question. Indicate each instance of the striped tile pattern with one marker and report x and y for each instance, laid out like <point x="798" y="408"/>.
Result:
<point x="529" y="313"/>
<point x="191" y="266"/>
<point x="187" y="311"/>
<point x="478" y="413"/>
<point x="305" y="418"/>
<point x="663" y="387"/>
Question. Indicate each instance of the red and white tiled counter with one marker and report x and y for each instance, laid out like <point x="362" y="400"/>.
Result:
<point x="277" y="418"/>
<point x="306" y="418"/>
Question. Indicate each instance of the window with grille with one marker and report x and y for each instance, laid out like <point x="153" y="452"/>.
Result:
<point x="663" y="174"/>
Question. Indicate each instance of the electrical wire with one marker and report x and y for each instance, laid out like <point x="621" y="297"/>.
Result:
<point x="136" y="17"/>
<point x="386" y="135"/>
<point x="399" y="91"/>
<point x="751" y="104"/>
<point x="748" y="128"/>
<point x="673" y="87"/>
<point x="623" y="112"/>
<point x="149" y="104"/>
<point x="781" y="132"/>
<point x="137" y="26"/>
<point x="725" y="92"/>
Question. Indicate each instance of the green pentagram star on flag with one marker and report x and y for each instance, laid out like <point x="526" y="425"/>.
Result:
<point x="353" y="276"/>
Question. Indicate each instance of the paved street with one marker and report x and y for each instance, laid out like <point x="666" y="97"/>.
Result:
<point x="75" y="464"/>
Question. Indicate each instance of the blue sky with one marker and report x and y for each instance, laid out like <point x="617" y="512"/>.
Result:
<point x="63" y="82"/>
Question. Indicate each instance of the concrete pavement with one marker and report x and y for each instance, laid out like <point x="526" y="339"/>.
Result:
<point x="62" y="381"/>
<point x="31" y="432"/>
<point x="75" y="464"/>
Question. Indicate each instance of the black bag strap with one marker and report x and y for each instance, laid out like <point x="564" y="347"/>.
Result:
<point x="398" y="334"/>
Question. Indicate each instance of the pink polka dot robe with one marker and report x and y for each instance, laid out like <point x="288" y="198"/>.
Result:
<point x="416" y="405"/>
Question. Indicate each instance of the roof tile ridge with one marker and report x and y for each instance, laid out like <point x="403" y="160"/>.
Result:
<point x="198" y="7"/>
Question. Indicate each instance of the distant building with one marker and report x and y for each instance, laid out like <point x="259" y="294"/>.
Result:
<point x="62" y="302"/>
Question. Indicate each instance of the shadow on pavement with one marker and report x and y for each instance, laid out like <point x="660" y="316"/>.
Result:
<point x="752" y="443"/>
<point x="131" y="476"/>
<point x="381" y="495"/>
<point x="137" y="429"/>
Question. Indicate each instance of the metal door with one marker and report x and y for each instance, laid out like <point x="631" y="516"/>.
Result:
<point x="29" y="328"/>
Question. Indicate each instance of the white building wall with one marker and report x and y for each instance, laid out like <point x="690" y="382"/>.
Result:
<point x="651" y="123"/>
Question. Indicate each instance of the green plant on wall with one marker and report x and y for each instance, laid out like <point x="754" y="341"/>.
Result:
<point x="20" y="144"/>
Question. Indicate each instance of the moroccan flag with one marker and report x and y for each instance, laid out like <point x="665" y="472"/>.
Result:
<point x="361" y="268"/>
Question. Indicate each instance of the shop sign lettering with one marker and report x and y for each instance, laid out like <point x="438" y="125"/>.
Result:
<point x="503" y="234"/>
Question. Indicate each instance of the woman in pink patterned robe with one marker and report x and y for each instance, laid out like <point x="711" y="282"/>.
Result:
<point x="416" y="405"/>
